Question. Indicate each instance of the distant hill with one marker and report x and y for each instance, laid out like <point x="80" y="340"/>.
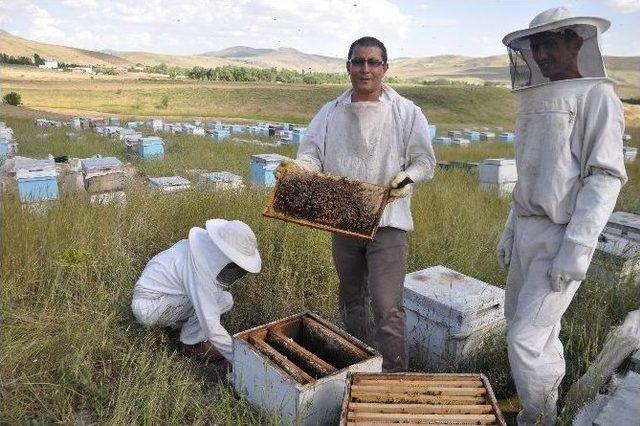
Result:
<point x="626" y="70"/>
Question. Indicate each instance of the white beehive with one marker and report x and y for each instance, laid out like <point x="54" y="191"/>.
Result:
<point x="295" y="369"/>
<point x="630" y="154"/>
<point x="460" y="141"/>
<point x="498" y="173"/>
<point x="170" y="183"/>
<point x="617" y="255"/>
<point x="449" y="315"/>
<point x="222" y="180"/>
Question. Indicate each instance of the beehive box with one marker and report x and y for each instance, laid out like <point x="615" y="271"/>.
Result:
<point x="221" y="180"/>
<point x="102" y="174"/>
<point x="263" y="167"/>
<point x="170" y="183"/>
<point x="630" y="154"/>
<point x="151" y="147"/>
<point x="449" y="315"/>
<point x="498" y="173"/>
<point x="419" y="399"/>
<point x="295" y="368"/>
<point x="327" y="202"/>
<point x="432" y="131"/>
<point x="37" y="180"/>
<point x="442" y="140"/>
<point x="617" y="255"/>
<point x="507" y="137"/>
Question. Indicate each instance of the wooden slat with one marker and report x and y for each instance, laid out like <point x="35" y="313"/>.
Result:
<point x="425" y="418"/>
<point x="368" y="407"/>
<point x="300" y="355"/>
<point x="314" y="327"/>
<point x="421" y="383"/>
<point x="399" y="398"/>
<point x="416" y="377"/>
<point x="413" y="390"/>
<point x="281" y="361"/>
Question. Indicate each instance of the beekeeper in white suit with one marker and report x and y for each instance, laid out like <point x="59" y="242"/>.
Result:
<point x="186" y="285"/>
<point x="373" y="134"/>
<point x="570" y="170"/>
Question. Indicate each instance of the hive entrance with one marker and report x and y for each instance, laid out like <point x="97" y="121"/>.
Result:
<point x="305" y="349"/>
<point x="332" y="203"/>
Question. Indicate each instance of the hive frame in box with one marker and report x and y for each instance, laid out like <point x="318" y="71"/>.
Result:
<point x="272" y="389"/>
<point x="489" y="397"/>
<point x="269" y="211"/>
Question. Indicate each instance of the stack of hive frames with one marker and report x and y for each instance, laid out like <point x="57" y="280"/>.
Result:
<point x="332" y="203"/>
<point x="412" y="398"/>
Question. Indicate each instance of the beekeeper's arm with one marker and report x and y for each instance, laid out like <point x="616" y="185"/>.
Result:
<point x="420" y="161"/>
<point x="604" y="174"/>
<point x="209" y="304"/>
<point x="312" y="147"/>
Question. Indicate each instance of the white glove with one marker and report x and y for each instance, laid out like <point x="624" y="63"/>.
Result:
<point x="570" y="264"/>
<point x="505" y="246"/>
<point x="405" y="191"/>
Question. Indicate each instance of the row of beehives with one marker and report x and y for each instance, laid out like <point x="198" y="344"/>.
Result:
<point x="297" y="368"/>
<point x="101" y="178"/>
<point x="465" y="136"/>
<point x="8" y="145"/>
<point x="284" y="132"/>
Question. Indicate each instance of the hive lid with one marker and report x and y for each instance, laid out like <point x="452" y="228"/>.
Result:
<point x="151" y="140"/>
<point x="267" y="158"/>
<point x="447" y="296"/>
<point x="169" y="181"/>
<point x="100" y="163"/>
<point x="625" y="224"/>
<point x="220" y="177"/>
<point x="500" y="161"/>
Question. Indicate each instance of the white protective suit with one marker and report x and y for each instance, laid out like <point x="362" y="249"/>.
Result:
<point x="180" y="287"/>
<point x="570" y="171"/>
<point x="392" y="136"/>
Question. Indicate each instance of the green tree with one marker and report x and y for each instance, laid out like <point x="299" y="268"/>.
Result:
<point x="37" y="59"/>
<point x="12" y="98"/>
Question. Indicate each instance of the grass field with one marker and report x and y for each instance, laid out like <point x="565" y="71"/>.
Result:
<point x="71" y="350"/>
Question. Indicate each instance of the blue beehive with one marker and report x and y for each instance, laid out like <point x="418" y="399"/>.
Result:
<point x="263" y="167"/>
<point x="298" y="135"/>
<point x="151" y="147"/>
<point x="507" y="137"/>
<point x="37" y="180"/>
<point x="4" y="150"/>
<point x="472" y="135"/>
<point x="432" y="131"/>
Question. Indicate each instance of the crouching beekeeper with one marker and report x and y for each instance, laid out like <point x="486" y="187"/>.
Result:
<point x="186" y="285"/>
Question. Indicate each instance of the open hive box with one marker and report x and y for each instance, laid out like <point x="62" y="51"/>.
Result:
<point x="328" y="202"/>
<point x="296" y="368"/>
<point x="413" y="398"/>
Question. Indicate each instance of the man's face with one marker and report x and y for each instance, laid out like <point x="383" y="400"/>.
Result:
<point x="556" y="57"/>
<point x="366" y="69"/>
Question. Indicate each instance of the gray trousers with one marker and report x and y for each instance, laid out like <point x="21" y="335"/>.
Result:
<point x="371" y="275"/>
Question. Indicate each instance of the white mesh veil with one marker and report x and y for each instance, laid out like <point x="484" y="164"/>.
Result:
<point x="526" y="73"/>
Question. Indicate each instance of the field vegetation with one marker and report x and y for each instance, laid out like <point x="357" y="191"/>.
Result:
<point x="71" y="350"/>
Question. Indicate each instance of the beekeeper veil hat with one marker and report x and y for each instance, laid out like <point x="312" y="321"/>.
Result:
<point x="525" y="72"/>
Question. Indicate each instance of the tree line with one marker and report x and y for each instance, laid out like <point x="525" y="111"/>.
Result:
<point x="283" y="75"/>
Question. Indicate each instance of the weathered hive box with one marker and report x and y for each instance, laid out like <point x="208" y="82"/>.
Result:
<point x="102" y="174"/>
<point x="170" y="183"/>
<point x="442" y="140"/>
<point x="151" y="147"/>
<point x="626" y="137"/>
<point x="485" y="136"/>
<point x="449" y="315"/>
<point x="113" y="121"/>
<point x="630" y="154"/>
<point x="419" y="399"/>
<point x="236" y="128"/>
<point x="263" y="167"/>
<point x="286" y="135"/>
<point x="507" y="137"/>
<point x="460" y="142"/>
<point x="37" y="180"/>
<point x="222" y="180"/>
<point x="156" y="125"/>
<point x="617" y="255"/>
<point x="75" y="123"/>
<point x="298" y="135"/>
<point x="432" y="131"/>
<point x="296" y="368"/>
<point x="454" y="133"/>
<point x="498" y="173"/>
<point x="472" y="135"/>
<point x="220" y="134"/>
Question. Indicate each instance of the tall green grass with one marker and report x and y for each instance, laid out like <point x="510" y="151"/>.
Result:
<point x="71" y="349"/>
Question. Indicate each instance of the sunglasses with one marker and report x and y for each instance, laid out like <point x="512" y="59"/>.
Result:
<point x="372" y="62"/>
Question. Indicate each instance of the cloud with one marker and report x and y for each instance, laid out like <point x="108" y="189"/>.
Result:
<point x="624" y="6"/>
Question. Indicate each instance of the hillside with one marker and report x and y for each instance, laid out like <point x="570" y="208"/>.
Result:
<point x="18" y="46"/>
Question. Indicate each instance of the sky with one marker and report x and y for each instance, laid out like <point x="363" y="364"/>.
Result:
<point x="408" y="28"/>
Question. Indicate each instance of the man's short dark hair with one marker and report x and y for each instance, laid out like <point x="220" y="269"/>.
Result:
<point x="370" y="42"/>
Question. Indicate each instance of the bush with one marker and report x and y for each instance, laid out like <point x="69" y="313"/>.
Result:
<point x="12" y="98"/>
